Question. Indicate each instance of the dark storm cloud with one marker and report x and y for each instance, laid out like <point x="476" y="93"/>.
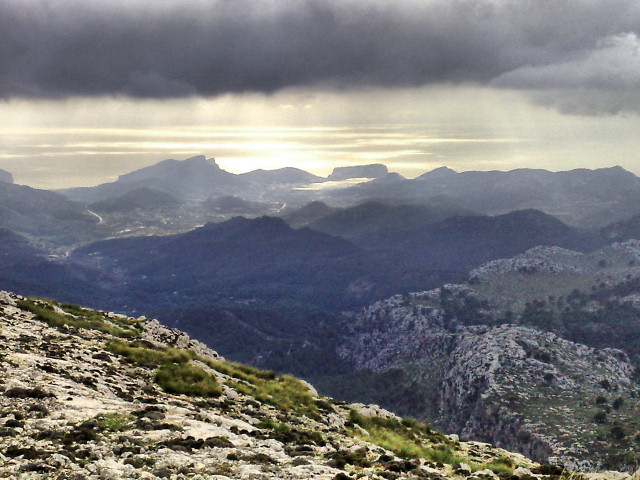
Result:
<point x="181" y="48"/>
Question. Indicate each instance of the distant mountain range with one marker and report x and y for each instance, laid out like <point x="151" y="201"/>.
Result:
<point x="384" y="249"/>
<point x="308" y="214"/>
<point x="500" y="259"/>
<point x="581" y="198"/>
<point x="359" y="171"/>
<point x="360" y="222"/>
<point x="281" y="176"/>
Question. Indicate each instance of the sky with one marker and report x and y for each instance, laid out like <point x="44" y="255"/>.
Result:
<point x="92" y="89"/>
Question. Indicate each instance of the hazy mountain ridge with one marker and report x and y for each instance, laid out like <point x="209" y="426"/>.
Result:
<point x="133" y="204"/>
<point x="138" y="198"/>
<point x="359" y="222"/>
<point x="281" y="176"/>
<point x="263" y="258"/>
<point x="193" y="179"/>
<point x="581" y="197"/>
<point x="230" y="205"/>
<point x="26" y="268"/>
<point x="48" y="218"/>
<point x="307" y="214"/>
<point x="578" y="197"/>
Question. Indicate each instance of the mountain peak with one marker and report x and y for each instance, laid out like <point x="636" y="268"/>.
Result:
<point x="375" y="170"/>
<point x="201" y="160"/>
<point x="5" y="176"/>
<point x="439" y="172"/>
<point x="280" y="176"/>
<point x="171" y="168"/>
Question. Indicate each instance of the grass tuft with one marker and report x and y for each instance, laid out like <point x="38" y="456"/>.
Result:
<point x="502" y="466"/>
<point x="407" y="438"/>
<point x="77" y="317"/>
<point x="114" y="422"/>
<point x="174" y="373"/>
<point x="134" y="352"/>
<point x="284" y="392"/>
<point x="184" y="379"/>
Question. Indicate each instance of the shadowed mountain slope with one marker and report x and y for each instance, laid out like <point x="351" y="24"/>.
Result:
<point x="138" y="198"/>
<point x="47" y="217"/>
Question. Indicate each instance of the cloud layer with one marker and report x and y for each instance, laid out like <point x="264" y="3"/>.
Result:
<point x="177" y="48"/>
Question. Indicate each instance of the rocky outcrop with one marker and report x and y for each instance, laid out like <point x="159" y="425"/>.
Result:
<point x="523" y="390"/>
<point x="154" y="331"/>
<point x="519" y="388"/>
<point x="538" y="259"/>
<point x="86" y="395"/>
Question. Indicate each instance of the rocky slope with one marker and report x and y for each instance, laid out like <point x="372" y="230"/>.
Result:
<point x="89" y="394"/>
<point x="492" y="362"/>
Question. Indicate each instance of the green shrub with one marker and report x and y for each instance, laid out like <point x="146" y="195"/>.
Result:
<point x="241" y="372"/>
<point x="87" y="319"/>
<point x="187" y="379"/>
<point x="407" y="439"/>
<point x="114" y="422"/>
<point x="284" y="392"/>
<point x="145" y="356"/>
<point x="174" y="373"/>
<point x="501" y="466"/>
<point x="600" y="417"/>
<point x="444" y="454"/>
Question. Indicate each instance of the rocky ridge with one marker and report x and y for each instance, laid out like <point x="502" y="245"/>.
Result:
<point x="488" y="375"/>
<point x="94" y="395"/>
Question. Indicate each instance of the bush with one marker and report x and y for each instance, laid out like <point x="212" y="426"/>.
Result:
<point x="501" y="466"/>
<point x="285" y="392"/>
<point x="87" y="319"/>
<point x="187" y="380"/>
<point x="600" y="417"/>
<point x="617" y="432"/>
<point x="114" y="422"/>
<point x="241" y="372"/>
<point x="617" y="403"/>
<point x="407" y="439"/>
<point x="147" y="356"/>
<point x="444" y="454"/>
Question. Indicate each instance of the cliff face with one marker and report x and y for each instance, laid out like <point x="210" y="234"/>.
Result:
<point x="535" y="393"/>
<point x="517" y="387"/>
<point x="88" y="394"/>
